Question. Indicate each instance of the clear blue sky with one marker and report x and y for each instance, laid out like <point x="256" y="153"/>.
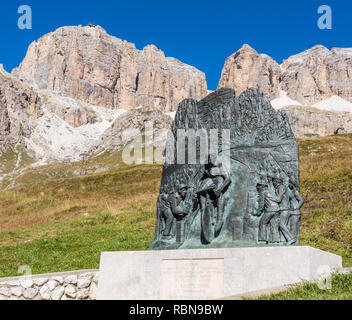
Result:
<point x="200" y="33"/>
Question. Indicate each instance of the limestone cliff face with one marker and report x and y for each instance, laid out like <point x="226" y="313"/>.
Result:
<point x="317" y="74"/>
<point x="18" y="106"/>
<point x="306" y="121"/>
<point x="308" y="77"/>
<point x="75" y="112"/>
<point x="53" y="101"/>
<point x="133" y="123"/>
<point x="246" y="69"/>
<point x="88" y="64"/>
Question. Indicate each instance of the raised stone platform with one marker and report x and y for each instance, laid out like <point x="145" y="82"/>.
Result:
<point x="207" y="273"/>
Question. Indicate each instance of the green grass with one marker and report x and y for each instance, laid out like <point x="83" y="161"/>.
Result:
<point x="14" y="158"/>
<point x="55" y="221"/>
<point x="341" y="289"/>
<point x="63" y="224"/>
<point x="326" y="186"/>
<point x="77" y="243"/>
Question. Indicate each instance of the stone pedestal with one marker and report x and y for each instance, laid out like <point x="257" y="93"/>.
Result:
<point x="207" y="273"/>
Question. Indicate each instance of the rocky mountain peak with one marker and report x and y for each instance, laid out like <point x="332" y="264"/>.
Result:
<point x="88" y="64"/>
<point x="53" y="103"/>
<point x="247" y="68"/>
<point x="307" y="77"/>
<point x="244" y="50"/>
<point x="246" y="47"/>
<point x="151" y="47"/>
<point x="317" y="74"/>
<point x="315" y="52"/>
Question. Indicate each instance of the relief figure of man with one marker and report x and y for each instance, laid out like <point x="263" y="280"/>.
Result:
<point x="295" y="206"/>
<point x="285" y="212"/>
<point x="166" y="213"/>
<point x="269" y="222"/>
<point x="211" y="191"/>
<point x="181" y="204"/>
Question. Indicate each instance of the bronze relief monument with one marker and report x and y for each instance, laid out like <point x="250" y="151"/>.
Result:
<point x="230" y="183"/>
<point x="230" y="175"/>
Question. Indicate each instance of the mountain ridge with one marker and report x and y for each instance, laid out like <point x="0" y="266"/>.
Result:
<point x="88" y="64"/>
<point x="307" y="77"/>
<point x="58" y="104"/>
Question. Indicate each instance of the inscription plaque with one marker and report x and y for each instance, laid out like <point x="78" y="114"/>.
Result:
<point x="192" y="279"/>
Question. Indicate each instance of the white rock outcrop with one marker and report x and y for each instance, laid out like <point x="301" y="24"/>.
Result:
<point x="308" y="121"/>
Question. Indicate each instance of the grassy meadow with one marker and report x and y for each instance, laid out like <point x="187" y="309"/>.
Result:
<point x="58" y="222"/>
<point x="341" y="289"/>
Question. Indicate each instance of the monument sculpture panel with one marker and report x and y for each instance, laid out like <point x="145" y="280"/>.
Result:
<point x="230" y="175"/>
<point x="230" y="182"/>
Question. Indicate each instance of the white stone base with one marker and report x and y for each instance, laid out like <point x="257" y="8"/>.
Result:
<point x="207" y="273"/>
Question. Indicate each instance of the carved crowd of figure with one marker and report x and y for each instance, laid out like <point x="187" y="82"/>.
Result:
<point x="200" y="189"/>
<point x="247" y="194"/>
<point x="279" y="204"/>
